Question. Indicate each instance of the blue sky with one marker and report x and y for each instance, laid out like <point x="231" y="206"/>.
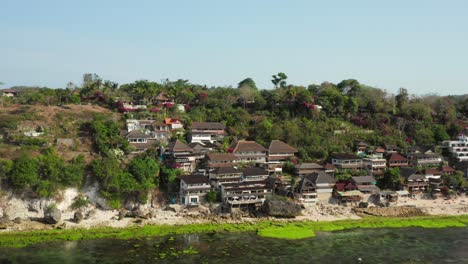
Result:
<point x="419" y="45"/>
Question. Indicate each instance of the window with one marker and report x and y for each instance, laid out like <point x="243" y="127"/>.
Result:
<point x="194" y="200"/>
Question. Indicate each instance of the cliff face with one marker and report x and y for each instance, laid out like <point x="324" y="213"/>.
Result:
<point x="26" y="206"/>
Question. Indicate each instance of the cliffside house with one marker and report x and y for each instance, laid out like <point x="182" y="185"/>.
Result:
<point x="447" y="170"/>
<point x="223" y="175"/>
<point x="307" y="168"/>
<point x="193" y="189"/>
<point x="162" y="98"/>
<point x="306" y="190"/>
<point x="8" y="92"/>
<point x="458" y="148"/>
<point x="278" y="153"/>
<point x="376" y="165"/>
<point x="180" y="156"/>
<point x="174" y="124"/>
<point x="378" y="152"/>
<point x="139" y="140"/>
<point x="396" y="160"/>
<point x="207" y="132"/>
<point x="250" y="152"/>
<point x="347" y="161"/>
<point x="324" y="184"/>
<point x="215" y="160"/>
<point x="245" y="194"/>
<point x="366" y="184"/>
<point x="414" y="182"/>
<point x="429" y="159"/>
<point x="391" y="149"/>
<point x="155" y="130"/>
<point x="346" y="197"/>
<point x="360" y="147"/>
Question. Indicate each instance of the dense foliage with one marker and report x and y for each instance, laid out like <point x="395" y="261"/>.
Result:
<point x="44" y="174"/>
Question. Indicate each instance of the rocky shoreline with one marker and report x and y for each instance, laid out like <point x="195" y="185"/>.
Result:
<point x="18" y="214"/>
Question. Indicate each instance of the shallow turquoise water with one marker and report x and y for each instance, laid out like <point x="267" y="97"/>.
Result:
<point x="399" y="245"/>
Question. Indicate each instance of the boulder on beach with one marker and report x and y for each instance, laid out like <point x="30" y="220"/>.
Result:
<point x="52" y="215"/>
<point x="78" y="217"/>
<point x="176" y="208"/>
<point x="5" y="222"/>
<point x="281" y="208"/>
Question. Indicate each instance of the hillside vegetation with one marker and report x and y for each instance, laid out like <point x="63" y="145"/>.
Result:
<point x="317" y="119"/>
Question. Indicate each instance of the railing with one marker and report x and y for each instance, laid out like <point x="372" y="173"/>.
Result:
<point x="417" y="184"/>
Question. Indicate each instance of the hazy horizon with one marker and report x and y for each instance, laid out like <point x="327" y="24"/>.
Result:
<point x="418" y="45"/>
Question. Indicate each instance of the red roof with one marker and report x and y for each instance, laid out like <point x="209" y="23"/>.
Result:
<point x="170" y="121"/>
<point x="396" y="157"/>
<point x="447" y="169"/>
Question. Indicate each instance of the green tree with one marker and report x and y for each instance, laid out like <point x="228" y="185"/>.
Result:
<point x="74" y="172"/>
<point x="5" y="169"/>
<point x="392" y="178"/>
<point x="279" y="80"/>
<point x="456" y="180"/>
<point x="440" y="133"/>
<point x="402" y="100"/>
<point x="247" y="82"/>
<point x="145" y="171"/>
<point x="24" y="172"/>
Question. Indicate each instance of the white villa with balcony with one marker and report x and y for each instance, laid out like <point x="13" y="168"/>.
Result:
<point x="376" y="165"/>
<point x="193" y="189"/>
<point x="458" y="148"/>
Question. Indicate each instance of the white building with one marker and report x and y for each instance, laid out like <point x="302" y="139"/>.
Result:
<point x="193" y="189"/>
<point x="458" y="148"/>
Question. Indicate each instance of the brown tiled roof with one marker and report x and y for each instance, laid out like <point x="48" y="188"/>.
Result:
<point x="248" y="146"/>
<point x="309" y="166"/>
<point x="396" y="157"/>
<point x="432" y="171"/>
<point x="208" y="125"/>
<point x="137" y="134"/>
<point x="278" y="146"/>
<point x="194" y="179"/>
<point x="177" y="145"/>
<point x="379" y="150"/>
<point x="221" y="157"/>
<point x="447" y="169"/>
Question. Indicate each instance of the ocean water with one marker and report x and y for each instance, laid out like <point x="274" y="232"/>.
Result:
<point x="395" y="245"/>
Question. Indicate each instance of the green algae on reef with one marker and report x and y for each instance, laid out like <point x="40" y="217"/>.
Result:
<point x="273" y="229"/>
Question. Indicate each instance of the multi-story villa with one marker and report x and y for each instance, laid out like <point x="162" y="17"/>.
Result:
<point x="246" y="193"/>
<point x="207" y="132"/>
<point x="458" y="148"/>
<point x="193" y="189"/>
<point x="347" y="161"/>
<point x="376" y="165"/>
<point x="250" y="151"/>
